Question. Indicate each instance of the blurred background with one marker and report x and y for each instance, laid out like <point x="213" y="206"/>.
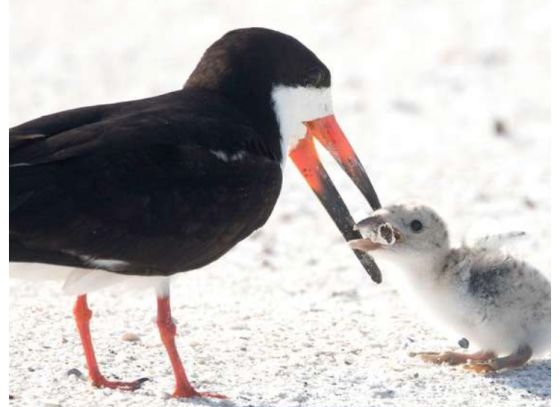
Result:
<point x="446" y="102"/>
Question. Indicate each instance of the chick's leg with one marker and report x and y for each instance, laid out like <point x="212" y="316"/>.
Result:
<point x="453" y="358"/>
<point x="516" y="359"/>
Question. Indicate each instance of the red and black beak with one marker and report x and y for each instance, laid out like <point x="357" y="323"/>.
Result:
<point x="304" y="155"/>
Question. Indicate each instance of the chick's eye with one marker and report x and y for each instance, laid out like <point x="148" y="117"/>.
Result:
<point x="416" y="225"/>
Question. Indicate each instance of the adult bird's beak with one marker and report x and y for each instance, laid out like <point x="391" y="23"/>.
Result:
<point x="304" y="155"/>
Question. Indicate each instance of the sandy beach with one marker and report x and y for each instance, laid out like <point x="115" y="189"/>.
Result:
<point x="445" y="102"/>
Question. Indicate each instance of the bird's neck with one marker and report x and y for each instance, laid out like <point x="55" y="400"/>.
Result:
<point x="415" y="271"/>
<point x="251" y="96"/>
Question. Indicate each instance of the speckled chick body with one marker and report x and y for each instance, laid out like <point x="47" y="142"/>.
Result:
<point x="499" y="303"/>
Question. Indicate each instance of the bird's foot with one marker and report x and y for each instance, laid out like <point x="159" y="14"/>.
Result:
<point x="451" y="358"/>
<point x="480" y="368"/>
<point x="108" y="384"/>
<point x="513" y="360"/>
<point x="454" y="358"/>
<point x="186" y="391"/>
<point x="190" y="393"/>
<point x="431" y="357"/>
<point x="206" y="394"/>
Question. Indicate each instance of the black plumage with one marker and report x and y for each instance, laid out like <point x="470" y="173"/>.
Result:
<point x="167" y="184"/>
<point x="138" y="182"/>
<point x="148" y="182"/>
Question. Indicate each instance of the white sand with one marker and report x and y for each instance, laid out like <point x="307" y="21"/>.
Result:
<point x="289" y="317"/>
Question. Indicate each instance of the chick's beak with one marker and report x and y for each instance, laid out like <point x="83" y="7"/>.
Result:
<point x="364" y="245"/>
<point x="305" y="157"/>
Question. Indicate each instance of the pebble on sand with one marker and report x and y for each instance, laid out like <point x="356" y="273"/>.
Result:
<point x="130" y="337"/>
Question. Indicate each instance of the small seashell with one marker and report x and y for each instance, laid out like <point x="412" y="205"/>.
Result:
<point x="130" y="337"/>
<point x="386" y="233"/>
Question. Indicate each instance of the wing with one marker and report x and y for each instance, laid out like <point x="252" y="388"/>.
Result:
<point x="172" y="118"/>
<point x="140" y="191"/>
<point x="49" y="125"/>
<point x="498" y="241"/>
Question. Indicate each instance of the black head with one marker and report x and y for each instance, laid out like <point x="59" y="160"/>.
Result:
<point x="252" y="60"/>
<point x="284" y="91"/>
<point x="245" y="65"/>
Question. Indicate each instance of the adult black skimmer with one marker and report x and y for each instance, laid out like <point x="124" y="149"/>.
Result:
<point x="167" y="184"/>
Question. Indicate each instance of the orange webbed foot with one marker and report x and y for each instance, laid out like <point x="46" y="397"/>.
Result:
<point x="480" y="368"/>
<point x="190" y="393"/>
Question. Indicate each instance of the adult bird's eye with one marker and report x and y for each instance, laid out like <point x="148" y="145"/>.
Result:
<point x="314" y="77"/>
<point x="416" y="225"/>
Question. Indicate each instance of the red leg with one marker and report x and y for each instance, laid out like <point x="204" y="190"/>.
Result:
<point x="82" y="314"/>
<point x="167" y="332"/>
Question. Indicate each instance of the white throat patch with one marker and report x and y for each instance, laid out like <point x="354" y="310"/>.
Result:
<point x="295" y="105"/>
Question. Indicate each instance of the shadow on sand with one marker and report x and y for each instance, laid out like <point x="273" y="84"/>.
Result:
<point x="534" y="377"/>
